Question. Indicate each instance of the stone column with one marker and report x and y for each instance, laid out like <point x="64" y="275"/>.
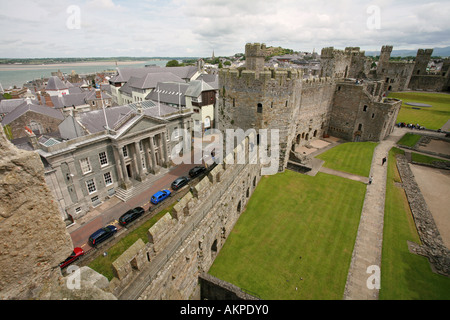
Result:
<point x="126" y="180"/>
<point x="118" y="166"/>
<point x="137" y="156"/>
<point x="149" y="166"/>
<point x="155" y="168"/>
<point x="164" y="154"/>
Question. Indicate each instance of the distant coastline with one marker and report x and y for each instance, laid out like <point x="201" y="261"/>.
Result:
<point x="17" y="67"/>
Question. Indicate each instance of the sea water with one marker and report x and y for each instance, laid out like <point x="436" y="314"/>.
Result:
<point x="18" y="74"/>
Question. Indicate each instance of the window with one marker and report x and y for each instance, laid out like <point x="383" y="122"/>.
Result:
<point x="90" y="184"/>
<point x="125" y="151"/>
<point x="103" y="158"/>
<point x="259" y="109"/>
<point x="85" y="166"/>
<point x="360" y="127"/>
<point x="78" y="210"/>
<point x="365" y="108"/>
<point x="143" y="161"/>
<point x="108" y="178"/>
<point x="141" y="147"/>
<point x="95" y="201"/>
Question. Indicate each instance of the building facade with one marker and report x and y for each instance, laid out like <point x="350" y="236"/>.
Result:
<point x="114" y="151"/>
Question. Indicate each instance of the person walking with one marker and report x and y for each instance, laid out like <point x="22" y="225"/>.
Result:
<point x="370" y="180"/>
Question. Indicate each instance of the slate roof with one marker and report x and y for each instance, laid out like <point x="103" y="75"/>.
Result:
<point x="196" y="87"/>
<point x="29" y="106"/>
<point x="55" y="83"/>
<point x="124" y="74"/>
<point x="69" y="100"/>
<point x="169" y="92"/>
<point x="8" y="105"/>
<point x="120" y="116"/>
<point x="152" y="79"/>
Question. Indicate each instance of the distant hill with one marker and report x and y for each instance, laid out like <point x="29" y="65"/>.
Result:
<point x="443" y="52"/>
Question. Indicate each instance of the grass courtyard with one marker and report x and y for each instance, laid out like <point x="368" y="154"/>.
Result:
<point x="290" y="243"/>
<point x="430" y="117"/>
<point x="351" y="157"/>
<point x="405" y="276"/>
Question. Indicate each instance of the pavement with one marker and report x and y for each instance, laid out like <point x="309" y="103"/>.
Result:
<point x="110" y="210"/>
<point x="364" y="274"/>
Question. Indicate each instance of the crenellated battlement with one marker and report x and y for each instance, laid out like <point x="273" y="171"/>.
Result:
<point x="425" y="52"/>
<point x="331" y="52"/>
<point x="265" y="75"/>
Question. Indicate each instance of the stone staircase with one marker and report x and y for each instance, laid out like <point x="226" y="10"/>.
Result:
<point x="138" y="187"/>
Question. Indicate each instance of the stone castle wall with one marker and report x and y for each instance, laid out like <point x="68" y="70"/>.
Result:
<point x="358" y="114"/>
<point x="184" y="244"/>
<point x="33" y="236"/>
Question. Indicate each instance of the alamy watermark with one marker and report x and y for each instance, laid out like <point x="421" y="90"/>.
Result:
<point x="74" y="19"/>
<point x="249" y="147"/>
<point x="73" y="281"/>
<point x="373" y="281"/>
<point x="374" y="19"/>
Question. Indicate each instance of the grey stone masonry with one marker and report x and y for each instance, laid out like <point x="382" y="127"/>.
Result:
<point x="432" y="245"/>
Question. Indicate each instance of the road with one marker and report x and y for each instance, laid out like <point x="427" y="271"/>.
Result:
<point x="111" y="215"/>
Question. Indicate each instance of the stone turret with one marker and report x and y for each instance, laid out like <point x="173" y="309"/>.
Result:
<point x="254" y="56"/>
<point x="422" y="59"/>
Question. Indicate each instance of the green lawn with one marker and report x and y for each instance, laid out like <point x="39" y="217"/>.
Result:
<point x="409" y="139"/>
<point x="351" y="157"/>
<point x="431" y="118"/>
<point x="405" y="276"/>
<point x="103" y="264"/>
<point x="417" y="157"/>
<point x="289" y="237"/>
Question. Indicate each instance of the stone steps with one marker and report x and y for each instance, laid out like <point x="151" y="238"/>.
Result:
<point x="138" y="187"/>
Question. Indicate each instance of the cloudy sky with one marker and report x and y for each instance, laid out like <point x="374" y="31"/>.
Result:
<point x="103" y="28"/>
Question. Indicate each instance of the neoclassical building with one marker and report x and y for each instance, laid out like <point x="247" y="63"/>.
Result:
<point x="109" y="152"/>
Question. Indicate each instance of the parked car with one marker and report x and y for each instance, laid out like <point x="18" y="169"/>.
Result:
<point x="179" y="183"/>
<point x="76" y="253"/>
<point x="131" y="215"/>
<point x="101" y="235"/>
<point x="160" y="196"/>
<point x="196" y="171"/>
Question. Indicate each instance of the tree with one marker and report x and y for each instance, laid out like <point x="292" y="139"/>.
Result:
<point x="172" y="63"/>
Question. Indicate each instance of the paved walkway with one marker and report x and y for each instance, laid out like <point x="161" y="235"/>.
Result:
<point x="365" y="265"/>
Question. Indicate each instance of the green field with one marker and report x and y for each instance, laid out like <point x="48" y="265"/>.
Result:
<point x="351" y="157"/>
<point x="430" y="117"/>
<point x="405" y="276"/>
<point x="289" y="237"/>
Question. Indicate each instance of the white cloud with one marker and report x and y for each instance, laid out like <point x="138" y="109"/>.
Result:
<point x="196" y="27"/>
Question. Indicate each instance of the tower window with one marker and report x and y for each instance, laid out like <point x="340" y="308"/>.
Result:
<point x="259" y="109"/>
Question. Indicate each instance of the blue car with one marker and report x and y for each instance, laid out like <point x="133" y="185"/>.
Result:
<point x="101" y="235"/>
<point x="160" y="196"/>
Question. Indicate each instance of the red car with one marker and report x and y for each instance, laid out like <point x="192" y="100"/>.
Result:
<point x="77" y="252"/>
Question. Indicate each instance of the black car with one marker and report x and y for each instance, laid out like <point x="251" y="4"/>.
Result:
<point x="179" y="183"/>
<point x="196" y="171"/>
<point x="131" y="215"/>
<point x="101" y="235"/>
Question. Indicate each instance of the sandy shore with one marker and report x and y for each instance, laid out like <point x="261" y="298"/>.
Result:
<point x="17" y="67"/>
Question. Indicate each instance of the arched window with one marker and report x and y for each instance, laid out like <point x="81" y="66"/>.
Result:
<point x="259" y="109"/>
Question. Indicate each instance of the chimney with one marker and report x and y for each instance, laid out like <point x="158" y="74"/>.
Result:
<point x="32" y="138"/>
<point x="48" y="100"/>
<point x="98" y="94"/>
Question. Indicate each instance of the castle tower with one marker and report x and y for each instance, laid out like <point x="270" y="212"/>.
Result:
<point x="384" y="59"/>
<point x="422" y="58"/>
<point x="254" y="56"/>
